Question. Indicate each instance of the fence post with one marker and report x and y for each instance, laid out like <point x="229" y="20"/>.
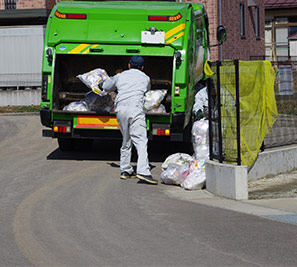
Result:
<point x="210" y="130"/>
<point x="219" y="113"/>
<point x="236" y="63"/>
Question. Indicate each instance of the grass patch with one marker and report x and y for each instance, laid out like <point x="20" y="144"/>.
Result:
<point x="19" y="109"/>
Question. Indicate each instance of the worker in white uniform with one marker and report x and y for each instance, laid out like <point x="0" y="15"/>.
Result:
<point x="131" y="86"/>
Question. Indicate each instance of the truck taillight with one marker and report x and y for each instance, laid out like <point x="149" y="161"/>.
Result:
<point x="44" y="87"/>
<point x="163" y="132"/>
<point x="62" y="129"/>
<point x="70" y="16"/>
<point x="165" y="18"/>
<point x="161" y="129"/>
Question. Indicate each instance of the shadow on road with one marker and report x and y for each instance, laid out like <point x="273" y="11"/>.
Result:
<point x="109" y="150"/>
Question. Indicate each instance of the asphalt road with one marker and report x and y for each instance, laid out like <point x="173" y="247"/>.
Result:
<point x="71" y="209"/>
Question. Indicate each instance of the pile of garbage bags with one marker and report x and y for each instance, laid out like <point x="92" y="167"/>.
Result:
<point x="96" y="100"/>
<point x="185" y="170"/>
<point x="102" y="102"/>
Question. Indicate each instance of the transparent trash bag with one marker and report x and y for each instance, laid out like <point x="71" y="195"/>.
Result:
<point x="76" y="106"/>
<point x="200" y="139"/>
<point x="159" y="109"/>
<point x="99" y="103"/>
<point x="171" y="175"/>
<point x="195" y="180"/>
<point x="153" y="98"/>
<point x="92" y="79"/>
<point x="177" y="159"/>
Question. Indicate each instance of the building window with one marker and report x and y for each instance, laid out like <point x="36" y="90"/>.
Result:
<point x="268" y="39"/>
<point x="10" y="4"/>
<point x="281" y="42"/>
<point x="257" y="22"/>
<point x="242" y="20"/>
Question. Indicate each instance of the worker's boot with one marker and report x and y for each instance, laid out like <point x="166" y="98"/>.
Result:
<point x="126" y="175"/>
<point x="147" y="178"/>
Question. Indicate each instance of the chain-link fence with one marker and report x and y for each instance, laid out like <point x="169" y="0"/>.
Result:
<point x="242" y="110"/>
<point x="224" y="147"/>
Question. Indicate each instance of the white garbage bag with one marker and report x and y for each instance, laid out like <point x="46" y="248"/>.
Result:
<point x="76" y="106"/>
<point x="159" y="109"/>
<point x="177" y="159"/>
<point x="195" y="180"/>
<point x="171" y="175"/>
<point x="153" y="98"/>
<point x="201" y="100"/>
<point x="93" y="78"/>
<point x="200" y="139"/>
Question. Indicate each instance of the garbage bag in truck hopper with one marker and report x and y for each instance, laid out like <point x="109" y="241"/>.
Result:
<point x="99" y="103"/>
<point x="93" y="78"/>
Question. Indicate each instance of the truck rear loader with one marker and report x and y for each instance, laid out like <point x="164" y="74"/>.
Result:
<point x="80" y="36"/>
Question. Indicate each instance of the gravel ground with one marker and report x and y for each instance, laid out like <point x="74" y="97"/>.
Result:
<point x="279" y="186"/>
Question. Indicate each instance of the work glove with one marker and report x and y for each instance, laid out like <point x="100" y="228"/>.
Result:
<point x="198" y="115"/>
<point x="100" y="85"/>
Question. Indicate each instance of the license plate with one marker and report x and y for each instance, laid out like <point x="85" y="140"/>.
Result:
<point x="156" y="38"/>
<point x="97" y="122"/>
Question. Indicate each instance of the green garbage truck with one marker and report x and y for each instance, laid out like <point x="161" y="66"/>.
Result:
<point x="172" y="37"/>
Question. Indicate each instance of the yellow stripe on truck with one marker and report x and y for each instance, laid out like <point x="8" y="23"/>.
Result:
<point x="175" y="30"/>
<point x="78" y="49"/>
<point x="88" y="50"/>
<point x="175" y="38"/>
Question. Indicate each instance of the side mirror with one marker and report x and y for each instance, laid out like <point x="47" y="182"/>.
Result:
<point x="221" y="34"/>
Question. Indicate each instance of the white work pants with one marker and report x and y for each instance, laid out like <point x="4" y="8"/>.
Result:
<point x="133" y="128"/>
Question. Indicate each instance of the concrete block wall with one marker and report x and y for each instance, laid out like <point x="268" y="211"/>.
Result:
<point x="231" y="181"/>
<point x="227" y="180"/>
<point x="273" y="162"/>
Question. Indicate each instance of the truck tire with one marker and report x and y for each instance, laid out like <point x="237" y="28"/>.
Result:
<point x="66" y="144"/>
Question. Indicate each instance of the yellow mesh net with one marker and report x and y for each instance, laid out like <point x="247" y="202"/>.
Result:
<point x="258" y="109"/>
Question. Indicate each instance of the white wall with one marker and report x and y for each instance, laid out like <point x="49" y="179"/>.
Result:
<point x="20" y="97"/>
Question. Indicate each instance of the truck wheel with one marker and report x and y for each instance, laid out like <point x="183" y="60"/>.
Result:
<point x="66" y="144"/>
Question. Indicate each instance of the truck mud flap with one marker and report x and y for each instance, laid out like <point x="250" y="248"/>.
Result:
<point x="45" y="117"/>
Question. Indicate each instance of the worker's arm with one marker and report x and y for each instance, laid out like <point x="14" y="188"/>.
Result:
<point x="148" y="85"/>
<point x="109" y="84"/>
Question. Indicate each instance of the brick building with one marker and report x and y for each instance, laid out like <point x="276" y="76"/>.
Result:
<point x="244" y="22"/>
<point x="25" y="12"/>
